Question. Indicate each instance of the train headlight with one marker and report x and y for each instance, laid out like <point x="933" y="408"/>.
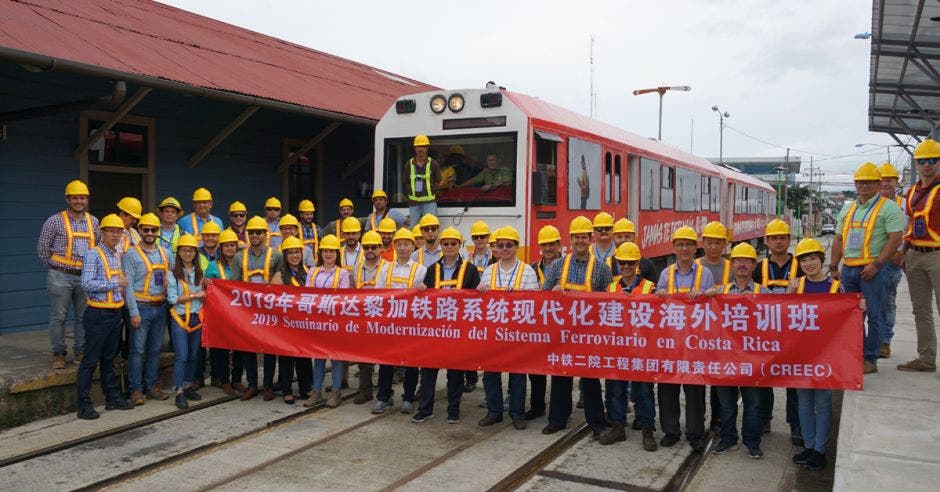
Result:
<point x="455" y="103"/>
<point x="438" y="103"/>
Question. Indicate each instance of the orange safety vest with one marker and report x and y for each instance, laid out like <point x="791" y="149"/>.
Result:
<point x="360" y="267"/>
<point x="766" y="281"/>
<point x="671" y="284"/>
<point x="516" y="277"/>
<point x="727" y="289"/>
<point x="336" y="276"/>
<point x="409" y="282"/>
<point x="144" y="295"/>
<point x="588" y="274"/>
<point x="183" y="322"/>
<point x="643" y="287"/>
<point x="801" y="286"/>
<point x="933" y="238"/>
<point x="726" y="274"/>
<point x="899" y="200"/>
<point x="868" y="225"/>
<point x="70" y="236"/>
<point x="110" y="303"/>
<point x="454" y="284"/>
<point x="264" y="271"/>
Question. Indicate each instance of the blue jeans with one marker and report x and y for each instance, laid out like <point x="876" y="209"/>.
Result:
<point x="644" y="406"/>
<point x="894" y="273"/>
<point x="615" y="399"/>
<point x="104" y="333"/>
<point x="186" y="346"/>
<point x="493" y="388"/>
<point x="874" y="291"/>
<point x="750" y="424"/>
<point x="319" y="372"/>
<point x="415" y="212"/>
<point x="815" y="418"/>
<point x="65" y="290"/>
<point x="144" y="358"/>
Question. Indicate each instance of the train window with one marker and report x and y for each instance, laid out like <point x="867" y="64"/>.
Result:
<point x="716" y="195"/>
<point x="688" y="190"/>
<point x="476" y="170"/>
<point x="667" y="187"/>
<point x="706" y="190"/>
<point x="649" y="190"/>
<point x="608" y="177"/>
<point x="617" y="180"/>
<point x="738" y="199"/>
<point x="545" y="178"/>
<point x="584" y="175"/>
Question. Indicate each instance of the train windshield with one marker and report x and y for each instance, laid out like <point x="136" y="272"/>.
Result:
<point x="476" y="170"/>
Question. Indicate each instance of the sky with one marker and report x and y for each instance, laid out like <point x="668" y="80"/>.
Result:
<point x="790" y="73"/>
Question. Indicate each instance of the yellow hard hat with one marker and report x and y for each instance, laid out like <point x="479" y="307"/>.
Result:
<point x="228" y="236"/>
<point x="628" y="251"/>
<point x="422" y="141"/>
<point x="429" y="220"/>
<point x="76" y="187"/>
<point x="777" y="227"/>
<point x="351" y="224"/>
<point x="237" y="207"/>
<point x="451" y="233"/>
<point x="928" y="149"/>
<point x="387" y="225"/>
<point x="328" y="242"/>
<point x="480" y="228"/>
<point x="306" y="206"/>
<point x="888" y="171"/>
<point x="379" y="194"/>
<point x="808" y="245"/>
<point x="292" y="243"/>
<point x="685" y="232"/>
<point x="867" y="172"/>
<point x="346" y="202"/>
<point x="149" y="219"/>
<point x="416" y="232"/>
<point x="256" y="224"/>
<point x="744" y="250"/>
<point x="371" y="237"/>
<point x="508" y="232"/>
<point x="202" y="195"/>
<point x="716" y="230"/>
<point x="288" y="220"/>
<point x="188" y="240"/>
<point x="603" y="219"/>
<point x="211" y="228"/>
<point x="624" y="225"/>
<point x="170" y="202"/>
<point x="130" y="206"/>
<point x="403" y="234"/>
<point x="549" y="234"/>
<point x="581" y="225"/>
<point x="111" y="220"/>
<point x="272" y="203"/>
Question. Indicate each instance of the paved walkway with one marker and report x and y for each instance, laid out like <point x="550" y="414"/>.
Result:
<point x="890" y="431"/>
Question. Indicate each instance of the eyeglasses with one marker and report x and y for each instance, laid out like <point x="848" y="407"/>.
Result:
<point x="928" y="162"/>
<point x="257" y="233"/>
<point x="504" y="245"/>
<point x="370" y="247"/>
<point x="627" y="263"/>
<point x="450" y="244"/>
<point x="239" y="216"/>
<point x="269" y="209"/>
<point x="148" y="230"/>
<point x="603" y="229"/>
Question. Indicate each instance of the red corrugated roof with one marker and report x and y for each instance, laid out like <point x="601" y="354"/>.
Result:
<point x="148" y="38"/>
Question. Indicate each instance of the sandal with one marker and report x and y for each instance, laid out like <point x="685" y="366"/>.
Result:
<point x="289" y="399"/>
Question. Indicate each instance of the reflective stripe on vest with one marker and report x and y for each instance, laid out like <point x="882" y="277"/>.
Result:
<point x="66" y="260"/>
<point x="347" y="266"/>
<point x="409" y="282"/>
<point x="264" y="271"/>
<point x="726" y="274"/>
<point x="515" y="279"/>
<point x="293" y="279"/>
<point x="110" y="273"/>
<point x="360" y="267"/>
<point x="671" y="285"/>
<point x="183" y="322"/>
<point x="314" y="243"/>
<point x="644" y="286"/>
<point x="144" y="295"/>
<point x="427" y="182"/>
<point x="336" y="276"/>
<point x="454" y="284"/>
<point x="801" y="286"/>
<point x="174" y="238"/>
<point x="766" y="281"/>
<point x="868" y="226"/>
<point x="933" y="238"/>
<point x="565" y="284"/>
<point x="728" y="286"/>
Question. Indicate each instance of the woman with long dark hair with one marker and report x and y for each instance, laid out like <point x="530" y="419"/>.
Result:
<point x="185" y="295"/>
<point x="294" y="273"/>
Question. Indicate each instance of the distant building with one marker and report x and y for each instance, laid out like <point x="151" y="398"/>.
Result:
<point x="765" y="168"/>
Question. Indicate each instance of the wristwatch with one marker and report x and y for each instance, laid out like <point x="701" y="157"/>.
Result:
<point x="833" y="268"/>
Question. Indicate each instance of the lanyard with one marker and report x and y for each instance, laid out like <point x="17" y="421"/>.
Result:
<point x="871" y="207"/>
<point x="512" y="274"/>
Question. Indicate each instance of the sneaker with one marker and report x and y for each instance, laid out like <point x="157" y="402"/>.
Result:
<point x="489" y="420"/>
<point x="668" y="441"/>
<point x="421" y="417"/>
<point x="816" y="462"/>
<point x="314" y="399"/>
<point x="87" y="413"/>
<point x="453" y="419"/>
<point x="407" y="407"/>
<point x="119" y="404"/>
<point x="755" y="453"/>
<point x="917" y="365"/>
<point x="336" y="397"/>
<point x="381" y="406"/>
<point x="869" y="367"/>
<point x="181" y="401"/>
<point x="885" y="352"/>
<point x="157" y="394"/>
<point x="803" y="456"/>
<point x="137" y="398"/>
<point x="191" y="394"/>
<point x="723" y="447"/>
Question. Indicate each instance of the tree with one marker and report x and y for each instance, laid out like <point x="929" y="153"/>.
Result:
<point x="798" y="197"/>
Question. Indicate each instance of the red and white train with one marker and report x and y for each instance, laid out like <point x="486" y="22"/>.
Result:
<point x="555" y="164"/>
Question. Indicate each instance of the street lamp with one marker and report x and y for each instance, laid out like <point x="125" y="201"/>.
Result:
<point x="721" y="133"/>
<point x="662" y="91"/>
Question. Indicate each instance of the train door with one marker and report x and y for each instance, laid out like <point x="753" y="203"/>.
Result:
<point x="548" y="191"/>
<point x="613" y="184"/>
<point x="633" y="188"/>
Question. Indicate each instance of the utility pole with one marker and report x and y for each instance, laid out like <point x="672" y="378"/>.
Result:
<point x="593" y="94"/>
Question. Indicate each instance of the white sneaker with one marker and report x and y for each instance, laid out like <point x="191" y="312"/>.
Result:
<point x="407" y="407"/>
<point x="382" y="406"/>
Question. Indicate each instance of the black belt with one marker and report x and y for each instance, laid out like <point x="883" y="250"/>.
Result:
<point x="924" y="249"/>
<point x="65" y="270"/>
<point x="150" y="303"/>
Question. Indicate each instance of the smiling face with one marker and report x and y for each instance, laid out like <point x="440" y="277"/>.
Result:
<point x="812" y="263"/>
<point x="256" y="237"/>
<point x="450" y="248"/>
<point x="187" y="254"/>
<point x="580" y="244"/>
<point x="294" y="256"/>
<point x="77" y="203"/>
<point x="743" y="267"/>
<point x="685" y="250"/>
<point x="169" y="215"/>
<point x="404" y="248"/>
<point x="506" y="249"/>
<point x="202" y="207"/>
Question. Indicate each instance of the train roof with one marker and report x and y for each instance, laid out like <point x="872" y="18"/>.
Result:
<point x="740" y="177"/>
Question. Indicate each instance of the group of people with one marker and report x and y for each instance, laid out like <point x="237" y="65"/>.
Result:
<point x="138" y="274"/>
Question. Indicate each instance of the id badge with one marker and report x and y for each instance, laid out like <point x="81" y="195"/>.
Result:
<point x="855" y="239"/>
<point x="920" y="227"/>
<point x="419" y="186"/>
<point x="158" y="277"/>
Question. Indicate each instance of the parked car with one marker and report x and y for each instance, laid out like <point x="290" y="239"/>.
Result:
<point x="827" y="229"/>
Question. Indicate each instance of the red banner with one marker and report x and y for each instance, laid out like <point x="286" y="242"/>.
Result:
<point x="793" y="341"/>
